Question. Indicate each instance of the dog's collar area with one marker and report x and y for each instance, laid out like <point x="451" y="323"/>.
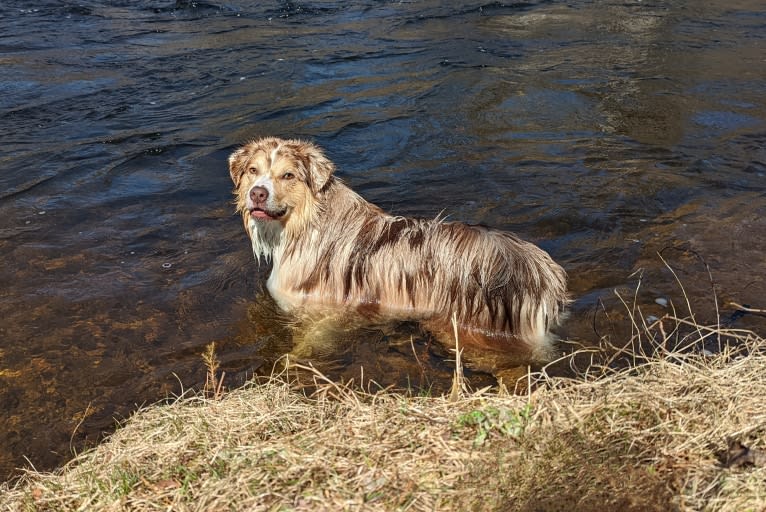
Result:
<point x="262" y="214"/>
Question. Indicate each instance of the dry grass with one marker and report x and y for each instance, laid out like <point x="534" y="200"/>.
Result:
<point x="646" y="435"/>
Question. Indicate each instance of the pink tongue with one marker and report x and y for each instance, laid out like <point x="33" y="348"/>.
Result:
<point x="260" y="214"/>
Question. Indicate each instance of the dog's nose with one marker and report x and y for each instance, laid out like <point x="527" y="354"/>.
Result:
<point x="259" y="194"/>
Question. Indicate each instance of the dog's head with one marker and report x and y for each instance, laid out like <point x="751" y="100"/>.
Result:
<point x="278" y="183"/>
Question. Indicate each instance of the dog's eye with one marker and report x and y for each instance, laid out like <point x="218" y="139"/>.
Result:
<point x="252" y="170"/>
<point x="288" y="176"/>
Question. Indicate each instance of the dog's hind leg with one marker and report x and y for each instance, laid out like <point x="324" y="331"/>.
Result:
<point x="503" y="355"/>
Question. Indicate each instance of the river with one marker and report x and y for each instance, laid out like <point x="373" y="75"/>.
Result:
<point x="626" y="137"/>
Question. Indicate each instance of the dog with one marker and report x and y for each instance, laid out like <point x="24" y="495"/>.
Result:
<point x="332" y="251"/>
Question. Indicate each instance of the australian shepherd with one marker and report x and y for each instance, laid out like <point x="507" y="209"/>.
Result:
<point x="332" y="250"/>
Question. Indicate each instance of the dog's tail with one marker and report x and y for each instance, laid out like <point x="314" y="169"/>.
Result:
<point x="525" y="291"/>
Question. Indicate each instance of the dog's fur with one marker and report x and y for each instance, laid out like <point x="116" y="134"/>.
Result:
<point x="331" y="249"/>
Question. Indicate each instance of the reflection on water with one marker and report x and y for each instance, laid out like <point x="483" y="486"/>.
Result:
<point x="606" y="131"/>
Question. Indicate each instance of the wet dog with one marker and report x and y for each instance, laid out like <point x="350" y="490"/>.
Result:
<point x="333" y="253"/>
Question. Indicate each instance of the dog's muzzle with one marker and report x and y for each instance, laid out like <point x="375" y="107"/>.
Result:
<point x="259" y="208"/>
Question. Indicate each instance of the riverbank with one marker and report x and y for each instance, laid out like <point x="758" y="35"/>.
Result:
<point x="661" y="433"/>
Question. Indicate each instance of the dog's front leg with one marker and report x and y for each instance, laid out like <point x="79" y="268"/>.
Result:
<point x="321" y="338"/>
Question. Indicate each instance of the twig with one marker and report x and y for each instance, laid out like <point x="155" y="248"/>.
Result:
<point x="745" y="308"/>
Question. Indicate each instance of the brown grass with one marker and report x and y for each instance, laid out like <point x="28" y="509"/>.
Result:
<point x="648" y="434"/>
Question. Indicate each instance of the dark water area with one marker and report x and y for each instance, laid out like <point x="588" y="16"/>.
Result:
<point x="605" y="131"/>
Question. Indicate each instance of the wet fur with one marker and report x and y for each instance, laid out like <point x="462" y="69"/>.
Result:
<point x="331" y="250"/>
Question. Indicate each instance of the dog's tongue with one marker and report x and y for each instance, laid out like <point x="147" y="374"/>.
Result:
<point x="260" y="214"/>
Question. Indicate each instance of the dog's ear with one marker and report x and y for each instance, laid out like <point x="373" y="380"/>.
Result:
<point x="236" y="169"/>
<point x="318" y="167"/>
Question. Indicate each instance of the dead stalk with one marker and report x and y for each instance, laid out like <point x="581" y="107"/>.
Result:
<point x="213" y="385"/>
<point x="458" y="384"/>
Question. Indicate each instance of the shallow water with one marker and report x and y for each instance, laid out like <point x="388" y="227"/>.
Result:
<point x="605" y="131"/>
